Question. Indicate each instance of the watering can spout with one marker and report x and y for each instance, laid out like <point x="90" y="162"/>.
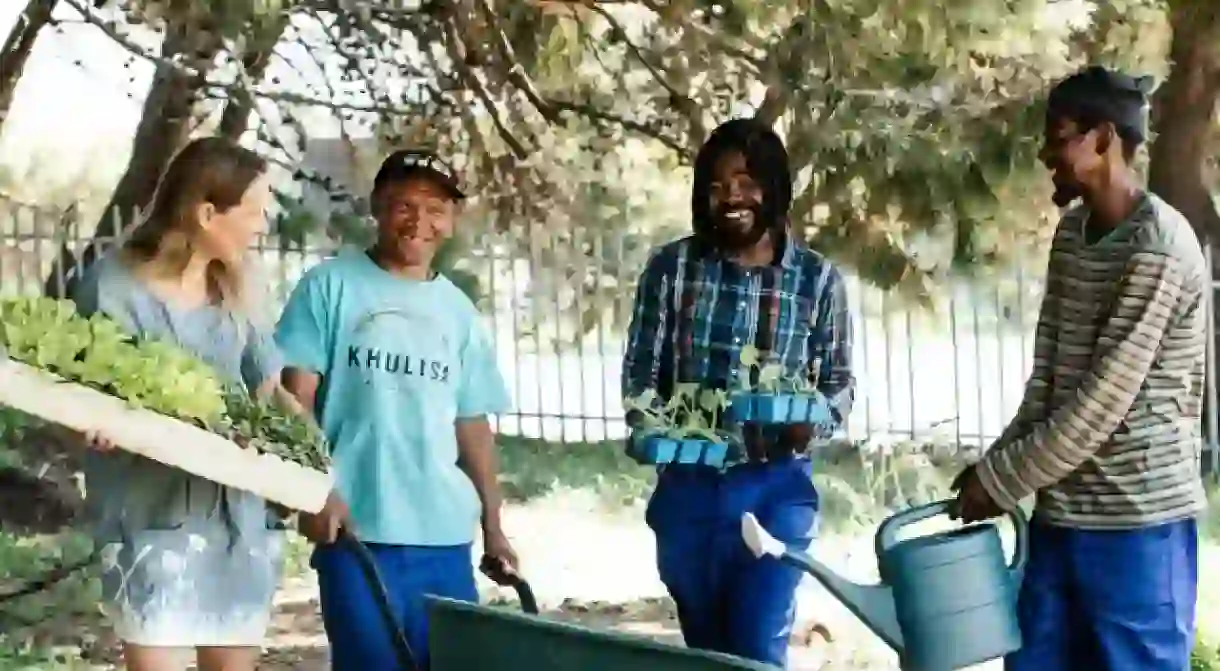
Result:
<point x="872" y="604"/>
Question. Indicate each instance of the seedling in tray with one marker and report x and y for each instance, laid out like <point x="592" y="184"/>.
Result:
<point x="776" y="398"/>
<point x="683" y="430"/>
<point x="50" y="335"/>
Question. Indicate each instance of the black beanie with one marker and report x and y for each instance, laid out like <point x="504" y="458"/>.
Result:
<point x="1095" y="95"/>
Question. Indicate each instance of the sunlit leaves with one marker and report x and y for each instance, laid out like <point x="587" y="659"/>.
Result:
<point x="913" y="125"/>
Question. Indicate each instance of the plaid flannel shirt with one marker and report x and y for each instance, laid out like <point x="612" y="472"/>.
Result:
<point x="695" y="310"/>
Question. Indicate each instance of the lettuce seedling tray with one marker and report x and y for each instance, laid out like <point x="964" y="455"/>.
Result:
<point x="658" y="449"/>
<point x="791" y="408"/>
<point x="161" y="438"/>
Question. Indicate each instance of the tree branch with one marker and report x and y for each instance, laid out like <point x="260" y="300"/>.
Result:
<point x="669" y="14"/>
<point x="1183" y="111"/>
<point x="51" y="578"/>
<point x="652" y="130"/>
<point x="253" y="63"/>
<point x="458" y="49"/>
<point x="784" y="57"/>
<point x="134" y="49"/>
<point x="683" y="102"/>
<point x="515" y="72"/>
<point x="18" y="46"/>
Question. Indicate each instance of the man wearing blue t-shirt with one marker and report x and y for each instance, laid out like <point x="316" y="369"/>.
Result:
<point x="402" y="377"/>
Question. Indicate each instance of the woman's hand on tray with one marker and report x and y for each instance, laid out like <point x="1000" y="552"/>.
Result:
<point x="98" y="441"/>
<point x="323" y="528"/>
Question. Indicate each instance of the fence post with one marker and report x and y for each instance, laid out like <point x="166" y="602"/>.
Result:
<point x="1209" y="371"/>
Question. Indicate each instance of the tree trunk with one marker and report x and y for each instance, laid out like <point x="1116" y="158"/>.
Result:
<point x="164" y="128"/>
<point x="236" y="117"/>
<point x="1183" y="111"/>
<point x="18" y="47"/>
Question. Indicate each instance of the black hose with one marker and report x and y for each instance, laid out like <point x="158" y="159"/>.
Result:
<point x="368" y="566"/>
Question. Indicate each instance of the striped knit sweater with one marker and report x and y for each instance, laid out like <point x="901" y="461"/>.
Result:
<point x="1108" y="433"/>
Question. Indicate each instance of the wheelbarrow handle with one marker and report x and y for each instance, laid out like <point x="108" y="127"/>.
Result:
<point x="368" y="566"/>
<point x="493" y="567"/>
<point x="502" y="574"/>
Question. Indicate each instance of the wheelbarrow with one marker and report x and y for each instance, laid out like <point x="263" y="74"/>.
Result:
<point x="463" y="636"/>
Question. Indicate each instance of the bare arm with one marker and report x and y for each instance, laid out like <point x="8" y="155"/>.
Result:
<point x="478" y="460"/>
<point x="305" y="338"/>
<point x="298" y="391"/>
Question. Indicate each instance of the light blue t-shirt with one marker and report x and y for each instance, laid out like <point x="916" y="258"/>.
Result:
<point x="401" y="362"/>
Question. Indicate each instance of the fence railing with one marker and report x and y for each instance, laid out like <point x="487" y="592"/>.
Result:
<point x="954" y="376"/>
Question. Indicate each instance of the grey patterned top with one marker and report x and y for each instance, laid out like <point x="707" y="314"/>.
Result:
<point x="126" y="493"/>
<point x="1108" y="433"/>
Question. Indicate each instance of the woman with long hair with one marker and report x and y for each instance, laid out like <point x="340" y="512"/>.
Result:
<point x="189" y="563"/>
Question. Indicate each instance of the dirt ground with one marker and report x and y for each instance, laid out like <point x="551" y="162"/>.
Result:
<point x="587" y="565"/>
<point x="596" y="569"/>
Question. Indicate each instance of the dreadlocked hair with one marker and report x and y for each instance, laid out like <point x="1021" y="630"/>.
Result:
<point x="766" y="161"/>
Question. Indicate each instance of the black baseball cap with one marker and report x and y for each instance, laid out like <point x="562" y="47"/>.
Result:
<point x="407" y="162"/>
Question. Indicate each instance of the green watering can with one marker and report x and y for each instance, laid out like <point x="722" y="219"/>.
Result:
<point x="946" y="601"/>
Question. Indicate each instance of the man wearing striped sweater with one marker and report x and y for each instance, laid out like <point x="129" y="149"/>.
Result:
<point x="1108" y="433"/>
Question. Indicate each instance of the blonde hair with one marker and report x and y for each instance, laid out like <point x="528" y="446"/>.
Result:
<point x="208" y="170"/>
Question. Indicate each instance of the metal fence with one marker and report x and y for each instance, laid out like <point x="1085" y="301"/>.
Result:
<point x="950" y="376"/>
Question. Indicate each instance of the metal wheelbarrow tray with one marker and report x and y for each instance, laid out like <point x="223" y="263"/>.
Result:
<point x="468" y="637"/>
<point x="464" y="636"/>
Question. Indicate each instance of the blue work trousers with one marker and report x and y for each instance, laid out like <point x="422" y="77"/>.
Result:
<point x="358" y="636"/>
<point x="729" y="601"/>
<point x="1108" y="600"/>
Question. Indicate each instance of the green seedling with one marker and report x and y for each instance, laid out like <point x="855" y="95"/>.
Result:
<point x="804" y="384"/>
<point x="691" y="412"/>
<point x="770" y="375"/>
<point x="160" y="377"/>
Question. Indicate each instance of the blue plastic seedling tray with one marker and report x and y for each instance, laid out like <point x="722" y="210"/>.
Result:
<point x="788" y="408"/>
<point x="659" y="450"/>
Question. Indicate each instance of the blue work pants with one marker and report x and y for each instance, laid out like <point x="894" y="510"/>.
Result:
<point x="729" y="601"/>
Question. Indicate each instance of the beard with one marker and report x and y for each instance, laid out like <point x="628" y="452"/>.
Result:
<point x="731" y="235"/>
<point x="1066" y="191"/>
<point x="1064" y="195"/>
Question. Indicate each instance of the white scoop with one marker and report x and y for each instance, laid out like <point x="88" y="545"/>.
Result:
<point x="758" y="540"/>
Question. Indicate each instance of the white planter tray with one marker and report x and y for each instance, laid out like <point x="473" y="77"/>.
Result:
<point x="161" y="438"/>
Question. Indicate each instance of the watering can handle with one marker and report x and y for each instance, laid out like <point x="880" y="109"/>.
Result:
<point x="1020" y="550"/>
<point x="887" y="533"/>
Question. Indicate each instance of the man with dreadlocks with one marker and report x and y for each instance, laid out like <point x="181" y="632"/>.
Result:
<point x="1108" y="433"/>
<point x="742" y="279"/>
